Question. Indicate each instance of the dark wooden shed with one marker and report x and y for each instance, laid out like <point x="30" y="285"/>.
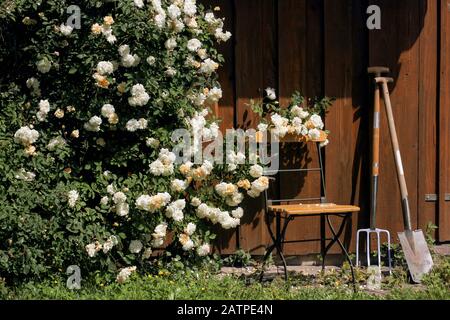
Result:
<point x="323" y="47"/>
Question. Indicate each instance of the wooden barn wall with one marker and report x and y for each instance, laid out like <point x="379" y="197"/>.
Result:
<point x="323" y="48"/>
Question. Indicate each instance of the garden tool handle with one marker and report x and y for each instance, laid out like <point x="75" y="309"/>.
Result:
<point x="377" y="71"/>
<point x="375" y="156"/>
<point x="396" y="150"/>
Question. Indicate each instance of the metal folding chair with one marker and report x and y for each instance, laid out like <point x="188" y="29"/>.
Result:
<point x="295" y="209"/>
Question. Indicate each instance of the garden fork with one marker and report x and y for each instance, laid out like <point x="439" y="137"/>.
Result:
<point x="377" y="71"/>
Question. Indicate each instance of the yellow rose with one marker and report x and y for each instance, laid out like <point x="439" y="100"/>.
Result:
<point x="108" y="20"/>
<point x="113" y="119"/>
<point x="185" y="169"/>
<point x="102" y="81"/>
<point x="59" y="113"/>
<point x="244" y="184"/>
<point x="122" y="87"/>
<point x="75" y="134"/>
<point x="184" y="238"/>
<point x="30" y="150"/>
<point x="96" y="28"/>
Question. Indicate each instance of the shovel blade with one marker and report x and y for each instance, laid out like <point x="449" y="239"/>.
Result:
<point x="417" y="253"/>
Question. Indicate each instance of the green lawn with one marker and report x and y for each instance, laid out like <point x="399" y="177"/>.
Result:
<point x="207" y="286"/>
<point x="192" y="283"/>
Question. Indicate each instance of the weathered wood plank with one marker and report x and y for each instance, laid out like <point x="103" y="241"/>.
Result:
<point x="428" y="83"/>
<point x="444" y="124"/>
<point x="226" y="108"/>
<point x="256" y="69"/>
<point x="338" y="82"/>
<point x="362" y="121"/>
<point x="300" y="67"/>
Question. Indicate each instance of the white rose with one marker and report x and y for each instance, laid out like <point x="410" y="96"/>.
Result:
<point x="135" y="246"/>
<point x="119" y="197"/>
<point x="237" y="213"/>
<point x="190" y="228"/>
<point x="208" y="66"/>
<point x="44" y="65"/>
<point x="122" y="209"/>
<point x="124" y="50"/>
<point x="171" y="44"/>
<point x="124" y="274"/>
<point x="105" y="68"/>
<point x="178" y="185"/>
<point x="262" y="127"/>
<point x="147" y="253"/>
<point x="55" y="142"/>
<point x="107" y="110"/>
<point x="160" y="20"/>
<point x="188" y="245"/>
<point x="314" y="134"/>
<point x="93" y="124"/>
<point x="196" y="202"/>
<point x="190" y="8"/>
<point x="110" y="189"/>
<point x="215" y="94"/>
<point x="256" y="171"/>
<point x="160" y="230"/>
<point x="324" y="143"/>
<point x="235" y="199"/>
<point x="317" y="122"/>
<point x="204" y="250"/>
<point x="261" y="184"/>
<point x="173" y="11"/>
<point x="65" y="30"/>
<point x="193" y="45"/>
<point x="139" y="3"/>
<point x="104" y="200"/>
<point x="152" y="142"/>
<point x="151" y="60"/>
<point x="72" y="198"/>
<point x="270" y="93"/>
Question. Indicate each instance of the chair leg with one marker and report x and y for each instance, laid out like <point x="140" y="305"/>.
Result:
<point x="271" y="248"/>
<point x="335" y="235"/>
<point x="281" y="237"/>
<point x="278" y="239"/>
<point x="323" y="250"/>
<point x="344" y="250"/>
<point x="266" y="256"/>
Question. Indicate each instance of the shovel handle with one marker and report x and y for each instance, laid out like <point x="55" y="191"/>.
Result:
<point x="397" y="156"/>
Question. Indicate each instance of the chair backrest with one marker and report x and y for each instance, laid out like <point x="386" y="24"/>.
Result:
<point x="321" y="187"/>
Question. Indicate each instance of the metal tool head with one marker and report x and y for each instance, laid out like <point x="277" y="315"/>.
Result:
<point x="417" y="254"/>
<point x="383" y="80"/>
<point x="378" y="70"/>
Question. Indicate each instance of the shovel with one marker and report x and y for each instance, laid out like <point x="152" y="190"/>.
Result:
<point x="415" y="248"/>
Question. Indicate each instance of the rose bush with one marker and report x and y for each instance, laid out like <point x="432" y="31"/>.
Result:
<point x="89" y="173"/>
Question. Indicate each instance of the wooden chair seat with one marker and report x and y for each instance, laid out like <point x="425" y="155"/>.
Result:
<point x="313" y="209"/>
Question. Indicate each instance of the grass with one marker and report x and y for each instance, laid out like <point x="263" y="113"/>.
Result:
<point x="209" y="285"/>
<point x="206" y="286"/>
